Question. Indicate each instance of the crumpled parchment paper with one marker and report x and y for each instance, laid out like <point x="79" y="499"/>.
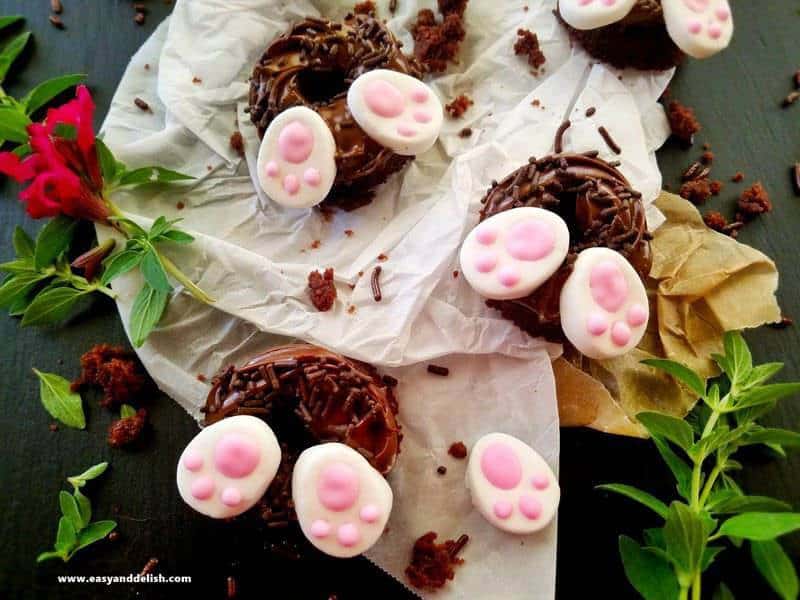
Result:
<point x="703" y="283"/>
<point x="254" y="257"/>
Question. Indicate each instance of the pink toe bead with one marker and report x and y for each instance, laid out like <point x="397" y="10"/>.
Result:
<point x="369" y="513"/>
<point x="231" y="496"/>
<point x="597" y="324"/>
<point x="501" y="467"/>
<point x="312" y="177"/>
<point x="272" y="169"/>
<point x="695" y="27"/>
<point x="620" y="334"/>
<point x="508" y="276"/>
<point x="291" y="184"/>
<point x="406" y="131"/>
<point x="320" y="529"/>
<point x="420" y="95"/>
<point x="295" y="142"/>
<point x="421" y="116"/>
<point x="202" y="488"/>
<point x="348" y="535"/>
<point x="192" y="461"/>
<point x="236" y="456"/>
<point x="637" y="315"/>
<point x="485" y="262"/>
<point x="384" y="99"/>
<point x="530" y="507"/>
<point x="502" y="509"/>
<point x="540" y="481"/>
<point x="337" y="488"/>
<point x="723" y="14"/>
<point x="486" y="236"/>
<point x="609" y="2"/>
<point x="715" y="31"/>
<point x="585" y="2"/>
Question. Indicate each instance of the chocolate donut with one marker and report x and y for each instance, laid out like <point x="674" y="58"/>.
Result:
<point x="308" y="395"/>
<point x="600" y="209"/>
<point x="313" y="65"/>
<point x="640" y="40"/>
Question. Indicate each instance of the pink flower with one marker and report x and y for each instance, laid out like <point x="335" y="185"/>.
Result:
<point x="63" y="170"/>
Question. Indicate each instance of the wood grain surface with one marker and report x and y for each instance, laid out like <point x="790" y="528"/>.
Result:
<point x="737" y="96"/>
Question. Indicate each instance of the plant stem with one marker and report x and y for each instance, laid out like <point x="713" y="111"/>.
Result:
<point x="173" y="270"/>
<point x="697" y="586"/>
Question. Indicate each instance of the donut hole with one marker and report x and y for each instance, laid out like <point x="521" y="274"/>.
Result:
<point x="321" y="86"/>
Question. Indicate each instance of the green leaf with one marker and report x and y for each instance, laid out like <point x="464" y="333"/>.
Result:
<point x="11" y="51"/>
<point x="62" y="404"/>
<point x="153" y="272"/>
<point x="84" y="507"/>
<point x="108" y="164"/>
<point x="23" y="244"/>
<point x="69" y="508"/>
<point x="160" y="225"/>
<point x="685" y="535"/>
<point x="50" y="554"/>
<point x="740" y="360"/>
<point x="776" y="567"/>
<point x="760" y="525"/>
<point x="655" y="537"/>
<point x="648" y="573"/>
<point x="740" y="504"/>
<point x="783" y="437"/>
<point x="764" y="394"/>
<point x="719" y="438"/>
<point x="13" y="125"/>
<point x="24" y="265"/>
<point x="147" y="309"/>
<point x="126" y="410"/>
<point x="66" y="131"/>
<point x="723" y="593"/>
<point x="10" y="20"/>
<point x="47" y="90"/>
<point x="19" y="286"/>
<point x="146" y="175"/>
<point x="642" y="497"/>
<point x="680" y="372"/>
<point x="762" y="373"/>
<point x="54" y="238"/>
<point x="670" y="428"/>
<point x="22" y="150"/>
<point x="94" y="532"/>
<point x="137" y="230"/>
<point x="709" y="554"/>
<point x="66" y="537"/>
<point x="679" y="468"/>
<point x="93" y="472"/>
<point x="119" y="264"/>
<point x="175" y="235"/>
<point x="51" y="306"/>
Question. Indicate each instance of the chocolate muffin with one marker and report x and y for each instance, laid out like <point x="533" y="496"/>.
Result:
<point x="600" y="209"/>
<point x="313" y="65"/>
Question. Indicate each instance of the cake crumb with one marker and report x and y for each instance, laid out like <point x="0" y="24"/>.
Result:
<point x="738" y="177"/>
<point x="437" y="43"/>
<point x="322" y="290"/>
<point x="237" y="143"/>
<point x="53" y="427"/>
<point x="349" y="232"/>
<point x="201" y="378"/>
<point x="459" y="105"/>
<point x="753" y="202"/>
<point x="141" y="104"/>
<point x="528" y="44"/>
<point x="457" y="450"/>
<point x="365" y="8"/>
<point x="696" y="191"/>
<point x="441" y="470"/>
<point x="351" y="309"/>
<point x="707" y="157"/>
<point x="465" y="133"/>
<point x="180" y="205"/>
<point x="127" y="430"/>
<point x="196" y="80"/>
<point x="381" y="257"/>
<point x="113" y="369"/>
<point x="715" y="220"/>
<point x="455" y="274"/>
<point x="315" y="244"/>
<point x="432" y="565"/>
<point x="682" y="122"/>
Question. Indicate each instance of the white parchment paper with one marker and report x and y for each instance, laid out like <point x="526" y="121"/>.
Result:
<point x="254" y="257"/>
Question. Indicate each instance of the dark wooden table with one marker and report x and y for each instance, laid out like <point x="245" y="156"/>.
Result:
<point x="736" y="95"/>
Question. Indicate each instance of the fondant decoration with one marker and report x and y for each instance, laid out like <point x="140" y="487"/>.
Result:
<point x="396" y="110"/>
<point x="700" y="28"/>
<point x="342" y="503"/>
<point x="512" y="253"/>
<point x="604" y="308"/>
<point x="591" y="14"/>
<point x="511" y="484"/>
<point x="228" y="466"/>
<point x="296" y="161"/>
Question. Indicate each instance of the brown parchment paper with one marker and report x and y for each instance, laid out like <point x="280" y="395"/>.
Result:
<point x="702" y="284"/>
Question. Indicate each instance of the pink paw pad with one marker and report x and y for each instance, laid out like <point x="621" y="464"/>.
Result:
<point x="512" y="253"/>
<point x="511" y="485"/>
<point x="342" y="503"/>
<point x="228" y="466"/>
<point x="396" y="110"/>
<point x="296" y="160"/>
<point x="700" y="28"/>
<point x="604" y="307"/>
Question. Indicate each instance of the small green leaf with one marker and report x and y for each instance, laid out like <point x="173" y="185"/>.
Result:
<point x="762" y="373"/>
<point x="93" y="472"/>
<point x="49" y="555"/>
<point x="740" y="504"/>
<point x="47" y="90"/>
<point x="11" y="51"/>
<point x="655" y="537"/>
<point x="764" y="394"/>
<point x="776" y="567"/>
<point x="648" y="573"/>
<point x="680" y="372"/>
<point x="62" y="403"/>
<point x="10" y="20"/>
<point x="13" y="125"/>
<point x="23" y="244"/>
<point x="126" y="410"/>
<point x="175" y="235"/>
<point x="685" y="535"/>
<point x="24" y="265"/>
<point x="22" y="150"/>
<point x="160" y="225"/>
<point x="69" y="508"/>
<point x="670" y="428"/>
<point x="94" y="532"/>
<point x="146" y="175"/>
<point x="154" y="273"/>
<point x="19" y="286"/>
<point x="709" y="554"/>
<point x="760" y="526"/>
<point x="108" y="164"/>
<point x="84" y="507"/>
<point x="146" y="312"/>
<point x="66" y="131"/>
<point x="651" y="502"/>
<point x="740" y="360"/>
<point x="51" y="306"/>
<point x="66" y="537"/>
<point x="136" y="229"/>
<point x="119" y="264"/>
<point x="784" y="437"/>
<point x="723" y="593"/>
<point x="679" y="468"/>
<point x="54" y="238"/>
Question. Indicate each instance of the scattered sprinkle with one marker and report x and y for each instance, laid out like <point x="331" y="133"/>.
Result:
<point x="141" y="104"/>
<point x="56" y="7"/>
<point x="465" y="133"/>
<point x="196" y="80"/>
<point x="349" y="232"/>
<point x="441" y="470"/>
<point x="591" y="111"/>
<point x="180" y="206"/>
<point x="609" y="140"/>
<point x="381" y="257"/>
<point x="796" y="178"/>
<point x="202" y="378"/>
<point x="376" y="284"/>
<point x="457" y="450"/>
<point x="149" y="567"/>
<point x="315" y="244"/>
<point x="53" y="427"/>
<point x="791" y="99"/>
<point x="437" y="370"/>
<point x="56" y="21"/>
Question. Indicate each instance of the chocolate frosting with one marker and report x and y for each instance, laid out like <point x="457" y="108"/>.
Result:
<point x="313" y="65"/>
<point x="600" y="209"/>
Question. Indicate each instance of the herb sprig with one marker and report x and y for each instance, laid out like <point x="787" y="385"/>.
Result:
<point x="75" y="527"/>
<point x="713" y="512"/>
<point x="60" y="401"/>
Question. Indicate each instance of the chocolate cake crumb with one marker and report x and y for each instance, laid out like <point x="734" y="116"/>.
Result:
<point x="682" y="122"/>
<point x="437" y="370"/>
<point x="141" y="104"/>
<point x="53" y="427"/>
<point x="348" y="232"/>
<point x="715" y="220"/>
<point x="113" y="369"/>
<point x="441" y="469"/>
<point x="783" y="323"/>
<point x="382" y="257"/>
<point x="455" y="274"/>
<point x="237" y="143"/>
<point x="716" y="187"/>
<point x="196" y="80"/>
<point x="392" y="6"/>
<point x="365" y="8"/>
<point x="390" y="381"/>
<point x="753" y="202"/>
<point x="450" y="7"/>
<point x="375" y="283"/>
<point x="457" y="450"/>
<point x="465" y="133"/>
<point x="590" y="112"/>
<point x="56" y="21"/>
<point x="791" y="99"/>
<point x="432" y="565"/>
<point x="351" y="309"/>
<point x="528" y="44"/>
<point x="127" y="430"/>
<point x="437" y="43"/>
<point x="536" y="103"/>
<point x="146" y="66"/>
<point x="707" y="157"/>
<point x="56" y="6"/>
<point x="201" y="378"/>
<point x="458" y="106"/>
<point x="180" y="205"/>
<point x="609" y="140"/>
<point x="738" y="177"/>
<point x="315" y="244"/>
<point x="139" y="18"/>
<point x="696" y="191"/>
<point x="796" y="178"/>
<point x="149" y="567"/>
<point x="321" y="290"/>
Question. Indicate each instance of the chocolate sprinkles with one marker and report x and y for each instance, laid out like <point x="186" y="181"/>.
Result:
<point x="609" y="140"/>
<point x="437" y="370"/>
<point x="559" y="141"/>
<point x="376" y="284"/>
<point x="590" y="112"/>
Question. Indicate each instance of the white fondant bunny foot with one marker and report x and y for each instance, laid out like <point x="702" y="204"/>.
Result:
<point x="228" y="466"/>
<point x="591" y="14"/>
<point x="512" y="253"/>
<point x="297" y="159"/>
<point x="700" y="28"/>
<point x="396" y="110"/>
<point x="604" y="308"/>
<point x="342" y="503"/>
<point x="511" y="485"/>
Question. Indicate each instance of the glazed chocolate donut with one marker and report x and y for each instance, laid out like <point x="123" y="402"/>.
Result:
<point x="600" y="209"/>
<point x="313" y="65"/>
